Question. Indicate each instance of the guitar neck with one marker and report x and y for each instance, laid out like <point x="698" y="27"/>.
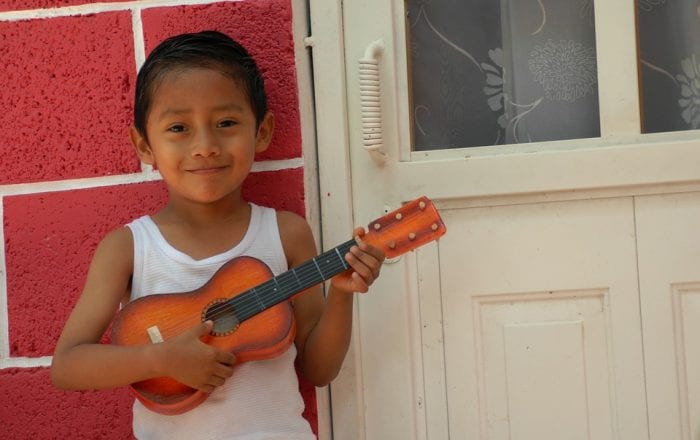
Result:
<point x="284" y="286"/>
<point x="405" y="229"/>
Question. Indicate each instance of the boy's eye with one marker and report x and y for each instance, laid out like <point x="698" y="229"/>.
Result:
<point x="176" y="128"/>
<point x="227" y="123"/>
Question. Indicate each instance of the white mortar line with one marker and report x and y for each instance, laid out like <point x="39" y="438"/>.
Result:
<point x="124" y="179"/>
<point x="4" y="315"/>
<point x="278" y="165"/>
<point x="71" y="184"/>
<point x="139" y="45"/>
<point x="139" y="56"/>
<point x="94" y="8"/>
<point x="25" y="362"/>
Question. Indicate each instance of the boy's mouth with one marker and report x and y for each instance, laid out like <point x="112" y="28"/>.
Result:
<point x="207" y="170"/>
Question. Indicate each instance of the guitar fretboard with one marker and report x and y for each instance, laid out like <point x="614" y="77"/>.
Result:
<point x="281" y="287"/>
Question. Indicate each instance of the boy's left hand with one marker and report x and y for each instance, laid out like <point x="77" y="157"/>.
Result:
<point x="365" y="261"/>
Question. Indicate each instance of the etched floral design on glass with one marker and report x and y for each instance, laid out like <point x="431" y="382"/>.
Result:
<point x="494" y="84"/>
<point x="689" y="101"/>
<point x="565" y="69"/>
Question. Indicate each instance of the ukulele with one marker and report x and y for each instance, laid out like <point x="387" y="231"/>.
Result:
<point x="248" y="306"/>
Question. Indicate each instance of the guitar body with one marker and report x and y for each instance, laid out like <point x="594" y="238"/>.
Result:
<point x="147" y="319"/>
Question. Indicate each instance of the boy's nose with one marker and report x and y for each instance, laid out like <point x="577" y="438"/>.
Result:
<point x="205" y="144"/>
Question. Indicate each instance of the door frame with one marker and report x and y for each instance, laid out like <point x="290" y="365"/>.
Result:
<point x="303" y="45"/>
<point x="335" y="196"/>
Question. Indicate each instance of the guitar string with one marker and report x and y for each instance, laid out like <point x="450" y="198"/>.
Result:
<point x="248" y="306"/>
<point x="305" y="275"/>
<point x="303" y="269"/>
<point x="247" y="303"/>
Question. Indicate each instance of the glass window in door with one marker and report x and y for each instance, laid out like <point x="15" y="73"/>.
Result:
<point x="487" y="72"/>
<point x="669" y="52"/>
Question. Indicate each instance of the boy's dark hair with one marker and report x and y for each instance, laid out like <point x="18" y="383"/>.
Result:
<point x="209" y="49"/>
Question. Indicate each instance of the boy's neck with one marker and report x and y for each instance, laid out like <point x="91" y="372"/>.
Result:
<point x="208" y="215"/>
<point x="203" y="231"/>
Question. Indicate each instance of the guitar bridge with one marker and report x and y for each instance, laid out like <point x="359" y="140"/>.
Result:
<point x="154" y="334"/>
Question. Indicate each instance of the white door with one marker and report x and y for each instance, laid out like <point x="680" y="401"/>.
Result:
<point x="524" y="321"/>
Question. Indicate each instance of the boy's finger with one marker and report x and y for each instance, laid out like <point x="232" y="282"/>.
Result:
<point x="372" y="250"/>
<point x="372" y="262"/>
<point x="358" y="232"/>
<point x="204" y="328"/>
<point x="226" y="358"/>
<point x="361" y="284"/>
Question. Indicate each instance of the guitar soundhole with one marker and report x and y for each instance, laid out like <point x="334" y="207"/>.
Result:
<point x="224" y="317"/>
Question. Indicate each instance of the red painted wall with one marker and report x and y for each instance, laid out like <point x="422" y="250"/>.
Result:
<point x="68" y="175"/>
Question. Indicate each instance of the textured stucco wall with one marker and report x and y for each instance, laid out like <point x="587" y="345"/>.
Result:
<point x="68" y="175"/>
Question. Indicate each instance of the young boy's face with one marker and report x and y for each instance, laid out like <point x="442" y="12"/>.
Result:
<point x="202" y="134"/>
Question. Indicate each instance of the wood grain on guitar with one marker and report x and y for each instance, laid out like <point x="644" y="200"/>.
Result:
<point x="248" y="305"/>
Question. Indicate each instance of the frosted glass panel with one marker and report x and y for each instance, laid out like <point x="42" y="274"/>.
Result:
<point x="669" y="45"/>
<point x="485" y="72"/>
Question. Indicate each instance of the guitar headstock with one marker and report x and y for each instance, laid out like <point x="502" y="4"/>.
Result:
<point x="414" y="224"/>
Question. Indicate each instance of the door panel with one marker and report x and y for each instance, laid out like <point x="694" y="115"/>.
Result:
<point x="669" y="252"/>
<point x="540" y="316"/>
<point x="521" y="323"/>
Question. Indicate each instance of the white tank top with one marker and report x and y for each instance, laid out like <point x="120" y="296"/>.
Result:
<point x="261" y="401"/>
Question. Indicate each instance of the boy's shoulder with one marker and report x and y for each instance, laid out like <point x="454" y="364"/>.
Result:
<point x="297" y="238"/>
<point x="291" y="222"/>
<point x="118" y="237"/>
<point x="116" y="249"/>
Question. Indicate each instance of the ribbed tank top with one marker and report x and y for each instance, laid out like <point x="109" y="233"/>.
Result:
<point x="261" y="401"/>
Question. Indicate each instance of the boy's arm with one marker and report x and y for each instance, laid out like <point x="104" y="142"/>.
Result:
<point x="81" y="362"/>
<point x="324" y="325"/>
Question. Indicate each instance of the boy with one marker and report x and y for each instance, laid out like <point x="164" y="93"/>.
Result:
<point x="200" y="116"/>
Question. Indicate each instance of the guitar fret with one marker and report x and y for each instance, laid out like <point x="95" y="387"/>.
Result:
<point x="308" y="275"/>
<point x="341" y="258"/>
<point x="277" y="284"/>
<point x="258" y="299"/>
<point x="318" y="268"/>
<point x="339" y="266"/>
<point x="269" y="292"/>
<point x="294" y="272"/>
<point x="288" y="281"/>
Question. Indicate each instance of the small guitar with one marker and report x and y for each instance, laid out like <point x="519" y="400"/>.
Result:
<point x="248" y="305"/>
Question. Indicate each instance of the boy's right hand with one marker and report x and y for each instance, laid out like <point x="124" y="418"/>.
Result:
<point x="192" y="362"/>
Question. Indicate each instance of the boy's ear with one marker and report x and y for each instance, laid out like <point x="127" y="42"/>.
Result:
<point x="143" y="150"/>
<point x="265" y="130"/>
